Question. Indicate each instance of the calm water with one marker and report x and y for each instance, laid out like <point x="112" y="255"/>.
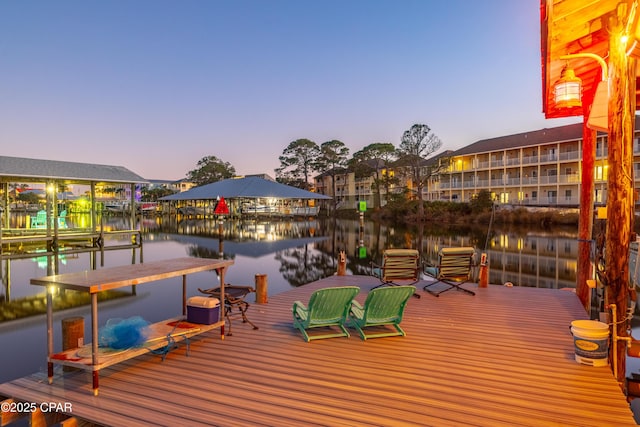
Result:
<point x="289" y="253"/>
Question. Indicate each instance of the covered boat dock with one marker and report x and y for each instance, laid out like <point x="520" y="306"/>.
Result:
<point x="245" y="197"/>
<point x="52" y="232"/>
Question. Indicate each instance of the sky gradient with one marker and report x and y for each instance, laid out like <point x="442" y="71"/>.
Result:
<point x="155" y="86"/>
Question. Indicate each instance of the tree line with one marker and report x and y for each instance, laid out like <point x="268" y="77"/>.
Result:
<point x="303" y="159"/>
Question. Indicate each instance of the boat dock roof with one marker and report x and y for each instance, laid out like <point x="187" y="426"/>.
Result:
<point x="504" y="357"/>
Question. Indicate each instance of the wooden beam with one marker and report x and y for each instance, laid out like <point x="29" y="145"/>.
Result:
<point x="620" y="187"/>
<point x="585" y="220"/>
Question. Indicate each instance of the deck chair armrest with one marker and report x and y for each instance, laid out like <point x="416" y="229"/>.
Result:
<point x="300" y="311"/>
<point x="299" y="305"/>
<point x="357" y="310"/>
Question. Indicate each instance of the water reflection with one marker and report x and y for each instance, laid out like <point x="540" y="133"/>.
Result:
<point x="308" y="250"/>
<point x="304" y="251"/>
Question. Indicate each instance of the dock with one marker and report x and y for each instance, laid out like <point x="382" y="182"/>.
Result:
<point x="504" y="357"/>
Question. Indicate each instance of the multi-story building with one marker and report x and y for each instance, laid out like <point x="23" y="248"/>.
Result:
<point x="180" y="185"/>
<point x="537" y="168"/>
<point x="351" y="188"/>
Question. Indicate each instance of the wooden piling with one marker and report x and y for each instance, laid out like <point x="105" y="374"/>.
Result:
<point x="342" y="264"/>
<point x="261" y="288"/>
<point x="483" y="280"/>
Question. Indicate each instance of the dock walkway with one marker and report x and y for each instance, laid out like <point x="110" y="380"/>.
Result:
<point x="504" y="357"/>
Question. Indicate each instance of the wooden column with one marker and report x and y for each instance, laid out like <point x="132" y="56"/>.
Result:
<point x="620" y="187"/>
<point x="94" y="208"/>
<point x="132" y="208"/>
<point x="5" y="205"/>
<point x="585" y="221"/>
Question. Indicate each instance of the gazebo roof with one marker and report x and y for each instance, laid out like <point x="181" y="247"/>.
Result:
<point x="23" y="169"/>
<point x="251" y="187"/>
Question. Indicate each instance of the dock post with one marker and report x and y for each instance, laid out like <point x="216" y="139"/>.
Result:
<point x="342" y="264"/>
<point x="483" y="280"/>
<point x="261" y="288"/>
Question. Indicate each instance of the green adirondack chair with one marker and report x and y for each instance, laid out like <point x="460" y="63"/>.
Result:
<point x="62" y="219"/>
<point x="40" y="220"/>
<point x="383" y="306"/>
<point x="327" y="308"/>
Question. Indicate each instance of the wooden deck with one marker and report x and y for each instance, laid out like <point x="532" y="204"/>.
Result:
<point x="501" y="358"/>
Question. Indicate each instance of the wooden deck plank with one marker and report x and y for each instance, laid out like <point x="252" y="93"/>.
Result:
<point x="501" y="358"/>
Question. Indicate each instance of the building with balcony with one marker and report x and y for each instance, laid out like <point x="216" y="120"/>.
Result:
<point x="538" y="168"/>
<point x="541" y="168"/>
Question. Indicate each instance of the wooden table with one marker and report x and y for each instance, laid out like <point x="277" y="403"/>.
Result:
<point x="95" y="281"/>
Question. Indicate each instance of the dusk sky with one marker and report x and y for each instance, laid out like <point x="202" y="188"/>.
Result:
<point x="155" y="86"/>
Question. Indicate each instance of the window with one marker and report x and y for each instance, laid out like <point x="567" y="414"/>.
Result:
<point x="567" y="195"/>
<point x="598" y="198"/>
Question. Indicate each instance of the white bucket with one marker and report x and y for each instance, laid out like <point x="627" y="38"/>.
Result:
<point x="591" y="342"/>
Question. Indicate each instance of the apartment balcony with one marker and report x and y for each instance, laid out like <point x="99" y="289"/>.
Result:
<point x="497" y="163"/>
<point x="573" y="178"/>
<point x="529" y="160"/>
<point x="513" y="162"/>
<point x="546" y="158"/>
<point x="553" y="179"/>
<point x="570" y="155"/>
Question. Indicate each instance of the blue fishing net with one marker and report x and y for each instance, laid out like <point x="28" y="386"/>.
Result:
<point x="123" y="333"/>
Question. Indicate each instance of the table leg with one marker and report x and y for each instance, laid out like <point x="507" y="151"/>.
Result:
<point x="94" y="339"/>
<point x="184" y="294"/>
<point x="96" y="380"/>
<point x="49" y="334"/>
<point x="223" y="270"/>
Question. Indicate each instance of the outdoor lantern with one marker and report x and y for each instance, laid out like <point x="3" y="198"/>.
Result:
<point x="568" y="89"/>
